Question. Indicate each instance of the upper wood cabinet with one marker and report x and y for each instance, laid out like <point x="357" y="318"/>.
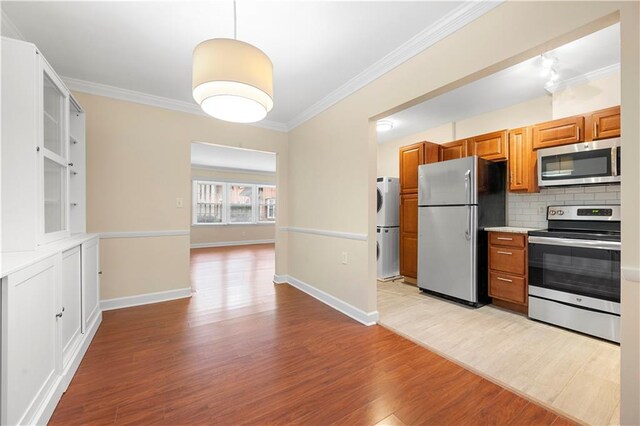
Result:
<point x="412" y="156"/>
<point x="558" y="132"/>
<point x="453" y="150"/>
<point x="603" y="124"/>
<point x="491" y="146"/>
<point x="522" y="161"/>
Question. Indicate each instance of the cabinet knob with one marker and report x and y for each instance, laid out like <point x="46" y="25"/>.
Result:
<point x="70" y="164"/>
<point x="99" y="272"/>
<point x="59" y="315"/>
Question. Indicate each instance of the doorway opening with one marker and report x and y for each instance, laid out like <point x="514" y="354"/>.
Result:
<point x="233" y="225"/>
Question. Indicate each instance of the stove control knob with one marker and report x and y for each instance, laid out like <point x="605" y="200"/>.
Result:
<point x="552" y="212"/>
<point x="560" y="212"/>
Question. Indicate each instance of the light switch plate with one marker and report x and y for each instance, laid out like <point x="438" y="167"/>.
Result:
<point x="179" y="203"/>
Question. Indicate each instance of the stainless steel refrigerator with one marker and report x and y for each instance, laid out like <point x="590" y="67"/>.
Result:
<point x="457" y="199"/>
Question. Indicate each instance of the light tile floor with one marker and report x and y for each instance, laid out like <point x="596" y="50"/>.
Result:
<point x="574" y="374"/>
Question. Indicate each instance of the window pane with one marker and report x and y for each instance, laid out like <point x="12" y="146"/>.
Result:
<point x="53" y="116"/>
<point x="209" y="199"/>
<point x="54" y="196"/>
<point x="240" y="207"/>
<point x="267" y="203"/>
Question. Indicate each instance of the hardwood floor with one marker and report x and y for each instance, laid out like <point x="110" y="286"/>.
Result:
<point x="244" y="351"/>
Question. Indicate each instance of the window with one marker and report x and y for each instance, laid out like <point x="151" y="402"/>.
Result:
<point x="267" y="203"/>
<point x="240" y="203"/>
<point x="218" y="203"/>
<point x="208" y="202"/>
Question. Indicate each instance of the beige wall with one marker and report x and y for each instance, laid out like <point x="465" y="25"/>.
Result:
<point x="600" y="93"/>
<point x="202" y="235"/>
<point x="335" y="151"/>
<point x="518" y="115"/>
<point x="138" y="163"/>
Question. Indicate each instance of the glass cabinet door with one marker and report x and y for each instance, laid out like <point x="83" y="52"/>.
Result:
<point x="54" y="115"/>
<point x="54" y="157"/>
<point x="55" y="190"/>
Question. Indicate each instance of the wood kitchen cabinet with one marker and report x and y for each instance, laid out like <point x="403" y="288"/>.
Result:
<point x="453" y="150"/>
<point x="603" y="124"/>
<point x="411" y="157"/>
<point x="522" y="162"/>
<point x="558" y="132"/>
<point x="490" y="146"/>
<point x="409" y="235"/>
<point x="508" y="273"/>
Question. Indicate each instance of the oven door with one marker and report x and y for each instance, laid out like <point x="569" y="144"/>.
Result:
<point x="581" y="267"/>
<point x="581" y="163"/>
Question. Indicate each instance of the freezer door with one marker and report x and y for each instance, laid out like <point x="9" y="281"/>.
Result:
<point x="447" y="251"/>
<point x="449" y="182"/>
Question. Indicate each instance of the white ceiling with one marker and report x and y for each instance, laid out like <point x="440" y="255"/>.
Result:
<point x="316" y="46"/>
<point x="229" y="158"/>
<point x="578" y="61"/>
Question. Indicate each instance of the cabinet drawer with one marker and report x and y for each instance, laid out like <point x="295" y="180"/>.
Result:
<point x="507" y="287"/>
<point x="507" y="259"/>
<point x="507" y="239"/>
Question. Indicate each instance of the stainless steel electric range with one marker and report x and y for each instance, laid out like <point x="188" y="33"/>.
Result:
<point x="574" y="270"/>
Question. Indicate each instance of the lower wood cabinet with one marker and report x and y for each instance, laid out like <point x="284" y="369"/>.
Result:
<point x="409" y="236"/>
<point x="508" y="275"/>
<point x="43" y="332"/>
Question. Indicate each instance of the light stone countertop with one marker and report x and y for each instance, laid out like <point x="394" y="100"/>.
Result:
<point x="511" y="229"/>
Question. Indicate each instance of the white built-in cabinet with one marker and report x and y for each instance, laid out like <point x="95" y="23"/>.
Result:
<point x="50" y="294"/>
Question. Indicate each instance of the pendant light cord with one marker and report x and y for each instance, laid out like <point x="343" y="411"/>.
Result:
<point x="235" y="22"/>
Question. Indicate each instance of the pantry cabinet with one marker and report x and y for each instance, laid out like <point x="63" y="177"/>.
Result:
<point x="411" y="157"/>
<point x="522" y="162"/>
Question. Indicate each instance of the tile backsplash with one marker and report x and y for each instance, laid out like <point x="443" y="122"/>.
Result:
<point x="530" y="210"/>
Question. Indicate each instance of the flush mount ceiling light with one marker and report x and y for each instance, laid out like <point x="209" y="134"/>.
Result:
<point x="384" y="125"/>
<point x="232" y="80"/>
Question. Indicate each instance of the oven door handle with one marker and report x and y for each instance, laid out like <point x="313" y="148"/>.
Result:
<point x="570" y="242"/>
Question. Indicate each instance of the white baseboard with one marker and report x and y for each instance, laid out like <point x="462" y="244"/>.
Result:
<point x="366" y="318"/>
<point x="231" y="243"/>
<point x="144" y="299"/>
<point x="279" y="279"/>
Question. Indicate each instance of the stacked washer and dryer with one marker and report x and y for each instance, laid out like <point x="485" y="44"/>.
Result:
<point x="388" y="231"/>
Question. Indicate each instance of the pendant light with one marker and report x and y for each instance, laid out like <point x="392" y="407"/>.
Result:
<point x="232" y="80"/>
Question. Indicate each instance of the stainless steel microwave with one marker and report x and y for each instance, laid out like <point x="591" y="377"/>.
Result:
<point x="580" y="163"/>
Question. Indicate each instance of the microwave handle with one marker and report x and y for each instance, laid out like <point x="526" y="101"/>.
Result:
<point x="614" y="161"/>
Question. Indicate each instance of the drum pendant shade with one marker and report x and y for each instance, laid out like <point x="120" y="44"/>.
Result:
<point x="232" y="80"/>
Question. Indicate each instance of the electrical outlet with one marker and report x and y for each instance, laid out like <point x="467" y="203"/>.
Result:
<point x="542" y="210"/>
<point x="344" y="258"/>
<point x="179" y="203"/>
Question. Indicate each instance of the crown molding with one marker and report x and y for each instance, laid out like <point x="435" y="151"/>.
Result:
<point x="452" y="22"/>
<point x="151" y="100"/>
<point x="9" y="29"/>
<point x="585" y="78"/>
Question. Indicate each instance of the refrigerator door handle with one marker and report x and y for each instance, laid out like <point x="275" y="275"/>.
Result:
<point x="467" y="233"/>
<point x="467" y="186"/>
